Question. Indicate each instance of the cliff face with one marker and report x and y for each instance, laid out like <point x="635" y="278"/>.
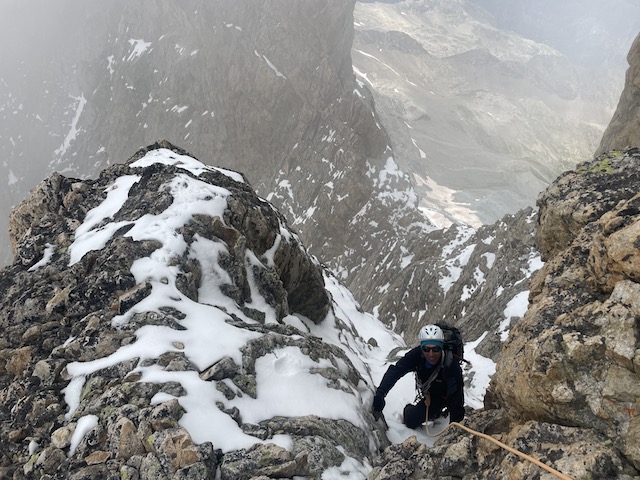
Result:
<point x="624" y="129"/>
<point x="574" y="358"/>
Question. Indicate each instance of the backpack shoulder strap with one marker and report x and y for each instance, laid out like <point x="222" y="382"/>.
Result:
<point x="422" y="387"/>
<point x="447" y="358"/>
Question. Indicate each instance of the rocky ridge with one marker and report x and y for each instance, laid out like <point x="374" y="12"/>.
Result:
<point x="457" y="275"/>
<point x="119" y="307"/>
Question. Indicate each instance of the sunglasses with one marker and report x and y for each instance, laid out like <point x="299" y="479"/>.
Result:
<point x="428" y="349"/>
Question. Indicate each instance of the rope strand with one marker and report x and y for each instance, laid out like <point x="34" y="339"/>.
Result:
<point x="500" y="444"/>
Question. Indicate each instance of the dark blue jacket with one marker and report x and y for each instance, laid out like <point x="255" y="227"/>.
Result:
<point x="447" y="389"/>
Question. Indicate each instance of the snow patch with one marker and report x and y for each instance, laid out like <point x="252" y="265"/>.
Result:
<point x="139" y="47"/>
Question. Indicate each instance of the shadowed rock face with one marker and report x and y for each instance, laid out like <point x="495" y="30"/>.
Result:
<point x="624" y="129"/>
<point x="90" y="279"/>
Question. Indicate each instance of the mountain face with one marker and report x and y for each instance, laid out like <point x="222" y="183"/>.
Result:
<point x="265" y="88"/>
<point x="487" y="103"/>
<point x="623" y="130"/>
<point x="586" y="31"/>
<point x="597" y="254"/>
<point x="162" y="321"/>
<point x="456" y="275"/>
<point x="565" y="388"/>
<point x="296" y="121"/>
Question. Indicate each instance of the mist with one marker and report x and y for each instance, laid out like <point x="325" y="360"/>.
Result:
<point x="592" y="33"/>
<point x="59" y="54"/>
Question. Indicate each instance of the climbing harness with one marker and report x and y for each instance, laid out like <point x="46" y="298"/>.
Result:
<point x="422" y="387"/>
<point x="500" y="444"/>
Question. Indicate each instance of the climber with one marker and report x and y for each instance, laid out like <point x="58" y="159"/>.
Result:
<point x="439" y="383"/>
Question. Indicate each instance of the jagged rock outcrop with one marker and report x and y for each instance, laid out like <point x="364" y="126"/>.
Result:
<point x="624" y="129"/>
<point x="581" y="196"/>
<point x="579" y="453"/>
<point x="574" y="358"/>
<point x="144" y="319"/>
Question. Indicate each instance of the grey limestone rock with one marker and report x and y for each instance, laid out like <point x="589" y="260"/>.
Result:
<point x="59" y="313"/>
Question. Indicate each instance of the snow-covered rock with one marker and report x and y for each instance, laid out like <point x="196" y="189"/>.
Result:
<point x="163" y="317"/>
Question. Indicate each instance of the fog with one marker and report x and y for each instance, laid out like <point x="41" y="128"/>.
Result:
<point x="592" y="32"/>
<point x="52" y="49"/>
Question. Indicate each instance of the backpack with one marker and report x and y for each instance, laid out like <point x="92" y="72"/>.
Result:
<point x="453" y="344"/>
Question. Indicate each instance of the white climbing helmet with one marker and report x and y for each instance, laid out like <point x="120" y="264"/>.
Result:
<point x="431" y="334"/>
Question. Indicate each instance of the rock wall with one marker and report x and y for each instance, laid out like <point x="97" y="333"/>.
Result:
<point x="624" y="129"/>
<point x="578" y="453"/>
<point x="574" y="358"/>
<point x="572" y="362"/>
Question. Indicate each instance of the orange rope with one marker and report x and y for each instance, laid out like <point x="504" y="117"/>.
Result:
<point x="502" y="445"/>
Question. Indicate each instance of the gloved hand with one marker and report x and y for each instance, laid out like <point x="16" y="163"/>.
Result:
<point x="378" y="406"/>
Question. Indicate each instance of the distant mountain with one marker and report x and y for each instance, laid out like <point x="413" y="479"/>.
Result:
<point x="589" y="32"/>
<point x="487" y="102"/>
